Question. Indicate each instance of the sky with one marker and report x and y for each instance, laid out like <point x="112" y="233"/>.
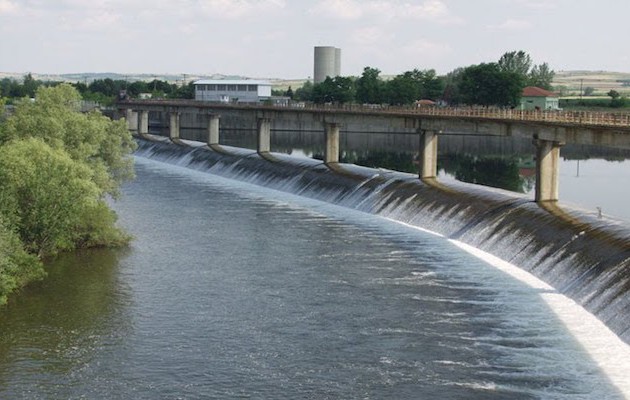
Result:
<point x="275" y="38"/>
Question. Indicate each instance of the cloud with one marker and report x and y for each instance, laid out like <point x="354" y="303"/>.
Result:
<point x="8" y="7"/>
<point x="371" y="36"/>
<point x="512" y="25"/>
<point x="339" y="9"/>
<point x="271" y="36"/>
<point x="426" y="49"/>
<point x="434" y="10"/>
<point x="234" y="9"/>
<point x="544" y="5"/>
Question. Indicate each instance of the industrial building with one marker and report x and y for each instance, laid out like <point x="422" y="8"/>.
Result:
<point x="327" y="63"/>
<point x="232" y="91"/>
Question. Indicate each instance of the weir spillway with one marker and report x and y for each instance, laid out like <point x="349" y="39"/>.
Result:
<point x="582" y="257"/>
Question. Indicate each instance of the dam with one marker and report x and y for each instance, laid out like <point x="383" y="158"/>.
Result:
<point x="272" y="276"/>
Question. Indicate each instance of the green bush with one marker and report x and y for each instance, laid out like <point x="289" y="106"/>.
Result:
<point x="57" y="165"/>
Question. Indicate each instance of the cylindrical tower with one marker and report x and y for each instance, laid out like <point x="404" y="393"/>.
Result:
<point x="327" y="63"/>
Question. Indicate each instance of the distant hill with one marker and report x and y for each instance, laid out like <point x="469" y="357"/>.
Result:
<point x="92" y="76"/>
<point x="602" y="81"/>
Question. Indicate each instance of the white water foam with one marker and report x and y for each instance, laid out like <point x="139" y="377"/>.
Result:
<point x="606" y="349"/>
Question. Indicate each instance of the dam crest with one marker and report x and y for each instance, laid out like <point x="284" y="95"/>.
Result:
<point x="582" y="257"/>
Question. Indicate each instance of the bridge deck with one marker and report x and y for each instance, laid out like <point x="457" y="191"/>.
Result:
<point x="560" y="117"/>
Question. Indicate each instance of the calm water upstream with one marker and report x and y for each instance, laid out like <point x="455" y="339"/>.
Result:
<point x="235" y="291"/>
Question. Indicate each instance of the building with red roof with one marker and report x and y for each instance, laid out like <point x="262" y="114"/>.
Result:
<point x="535" y="98"/>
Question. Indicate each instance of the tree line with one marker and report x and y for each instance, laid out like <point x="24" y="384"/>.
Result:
<point x="57" y="167"/>
<point x="488" y="84"/>
<point x="104" y="91"/>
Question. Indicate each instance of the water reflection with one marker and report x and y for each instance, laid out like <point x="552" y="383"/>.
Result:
<point x="511" y="173"/>
<point x="502" y="162"/>
<point x="57" y="324"/>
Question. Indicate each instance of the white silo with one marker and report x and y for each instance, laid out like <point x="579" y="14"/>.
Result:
<point x="327" y="63"/>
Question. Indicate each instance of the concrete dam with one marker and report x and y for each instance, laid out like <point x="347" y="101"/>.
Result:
<point x="580" y="256"/>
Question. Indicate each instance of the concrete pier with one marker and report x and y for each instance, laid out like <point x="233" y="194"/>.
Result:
<point x="547" y="170"/>
<point x="549" y="132"/>
<point x="174" y="125"/>
<point x="331" y="154"/>
<point x="264" y="135"/>
<point x="428" y="154"/>
<point x="213" y="130"/>
<point x="132" y="120"/>
<point x="143" y="121"/>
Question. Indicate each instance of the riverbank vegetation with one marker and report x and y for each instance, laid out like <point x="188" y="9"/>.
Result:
<point x="57" y="168"/>
<point x="103" y="91"/>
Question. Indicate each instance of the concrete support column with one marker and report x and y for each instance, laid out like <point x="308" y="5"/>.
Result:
<point x="132" y="120"/>
<point x="264" y="135"/>
<point x="547" y="169"/>
<point x="174" y="125"/>
<point x="213" y="130"/>
<point x="143" y="127"/>
<point x="331" y="154"/>
<point x="428" y="154"/>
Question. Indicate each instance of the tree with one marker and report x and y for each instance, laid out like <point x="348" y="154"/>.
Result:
<point x="431" y="85"/>
<point x="44" y="194"/>
<point x="370" y="87"/>
<point x="30" y="85"/>
<point x="17" y="267"/>
<point x="334" y="90"/>
<point x="617" y="101"/>
<point x="489" y="85"/>
<point x="518" y="62"/>
<point x="589" y="90"/>
<point x="403" y="88"/>
<point x="305" y="93"/>
<point x="452" y="83"/>
<point x="541" y="76"/>
<point x="92" y="138"/>
<point x="184" y="92"/>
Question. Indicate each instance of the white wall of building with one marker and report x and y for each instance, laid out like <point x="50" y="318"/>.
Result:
<point x="227" y="91"/>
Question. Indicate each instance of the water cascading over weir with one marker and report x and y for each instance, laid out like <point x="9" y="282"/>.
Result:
<point x="585" y="258"/>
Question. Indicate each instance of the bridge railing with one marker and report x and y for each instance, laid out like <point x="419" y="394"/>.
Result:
<point x="589" y="118"/>
<point x="559" y="116"/>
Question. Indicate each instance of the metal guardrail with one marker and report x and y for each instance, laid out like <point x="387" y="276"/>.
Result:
<point x="584" y="118"/>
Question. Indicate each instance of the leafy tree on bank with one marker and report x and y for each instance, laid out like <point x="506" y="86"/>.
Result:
<point x="521" y="63"/>
<point x="90" y="138"/>
<point x="305" y="93"/>
<point x="489" y="85"/>
<point x="370" y="87"/>
<point x="431" y="85"/>
<point x="452" y="82"/>
<point x="17" y="267"/>
<point x="56" y="168"/>
<point x="541" y="76"/>
<point x="518" y="62"/>
<point x="88" y="155"/>
<point x="334" y="90"/>
<point x="402" y="89"/>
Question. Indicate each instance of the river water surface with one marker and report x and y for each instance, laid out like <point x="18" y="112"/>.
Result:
<point x="235" y="291"/>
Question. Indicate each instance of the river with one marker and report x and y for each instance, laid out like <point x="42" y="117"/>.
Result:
<point x="235" y="291"/>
